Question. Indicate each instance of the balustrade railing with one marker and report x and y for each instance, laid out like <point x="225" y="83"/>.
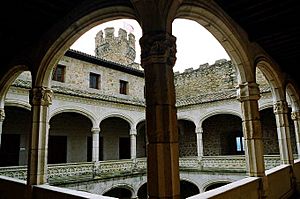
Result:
<point x="68" y="172"/>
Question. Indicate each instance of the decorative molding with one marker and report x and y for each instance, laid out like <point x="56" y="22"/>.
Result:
<point x="280" y="107"/>
<point x="158" y="48"/>
<point x="295" y="115"/>
<point x="248" y="91"/>
<point x="41" y="96"/>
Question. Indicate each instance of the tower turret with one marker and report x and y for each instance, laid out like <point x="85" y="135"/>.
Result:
<point x="120" y="49"/>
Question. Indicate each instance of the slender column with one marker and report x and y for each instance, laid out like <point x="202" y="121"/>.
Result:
<point x="248" y="95"/>
<point x="296" y="119"/>
<point x="133" y="143"/>
<point x="2" y="117"/>
<point x="40" y="99"/>
<point x="158" y="59"/>
<point x="199" y="142"/>
<point x="283" y="132"/>
<point x="95" y="145"/>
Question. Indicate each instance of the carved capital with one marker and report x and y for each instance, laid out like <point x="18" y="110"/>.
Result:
<point x="158" y="48"/>
<point x="2" y="114"/>
<point x="248" y="91"/>
<point x="133" y="132"/>
<point x="41" y="96"/>
<point x="280" y="107"/>
<point x="95" y="130"/>
<point x="295" y="115"/>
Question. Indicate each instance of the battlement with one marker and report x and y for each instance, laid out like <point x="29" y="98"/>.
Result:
<point x="119" y="49"/>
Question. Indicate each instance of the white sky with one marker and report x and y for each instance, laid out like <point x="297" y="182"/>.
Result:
<point x="195" y="45"/>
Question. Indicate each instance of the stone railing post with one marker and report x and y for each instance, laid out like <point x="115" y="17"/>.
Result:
<point x="248" y="94"/>
<point x="158" y="58"/>
<point x="133" y="143"/>
<point x="2" y="117"/>
<point x="283" y="132"/>
<point x="40" y="99"/>
<point x="95" y="144"/>
<point x="296" y="118"/>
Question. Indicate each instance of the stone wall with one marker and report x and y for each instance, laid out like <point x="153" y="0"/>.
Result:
<point x="77" y="76"/>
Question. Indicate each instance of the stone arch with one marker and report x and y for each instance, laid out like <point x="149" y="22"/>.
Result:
<point x="265" y="105"/>
<point x="62" y="35"/>
<point x="214" y="182"/>
<point x="70" y="137"/>
<point x="18" y="103"/>
<point x="186" y="117"/>
<point x="217" y="112"/>
<point x="293" y="97"/>
<point x="7" y="80"/>
<point x="232" y="38"/>
<point x="123" y="116"/>
<point x="226" y="138"/>
<point x="120" y="186"/>
<point x="75" y="109"/>
<point x="273" y="76"/>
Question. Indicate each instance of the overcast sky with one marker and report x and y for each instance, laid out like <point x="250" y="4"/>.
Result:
<point x="195" y="45"/>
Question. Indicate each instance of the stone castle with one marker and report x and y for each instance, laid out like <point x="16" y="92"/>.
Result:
<point x="92" y="118"/>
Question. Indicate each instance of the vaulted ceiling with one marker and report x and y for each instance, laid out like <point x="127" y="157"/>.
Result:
<point x="273" y="24"/>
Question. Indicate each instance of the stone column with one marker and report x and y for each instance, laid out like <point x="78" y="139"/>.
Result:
<point x="283" y="132"/>
<point x="296" y="119"/>
<point x="40" y="99"/>
<point x="95" y="144"/>
<point x="248" y="94"/>
<point x="2" y="117"/>
<point x="133" y="143"/>
<point x="158" y="58"/>
<point x="199" y="132"/>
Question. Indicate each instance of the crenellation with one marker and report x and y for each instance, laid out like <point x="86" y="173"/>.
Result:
<point x="119" y="49"/>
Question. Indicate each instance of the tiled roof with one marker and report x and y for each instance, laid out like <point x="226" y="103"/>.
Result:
<point x="194" y="100"/>
<point x="83" y="93"/>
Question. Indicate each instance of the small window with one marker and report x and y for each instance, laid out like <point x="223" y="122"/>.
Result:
<point x="94" y="80"/>
<point x="123" y="87"/>
<point x="240" y="144"/>
<point x="59" y="73"/>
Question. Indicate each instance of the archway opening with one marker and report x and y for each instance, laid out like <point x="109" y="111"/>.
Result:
<point x="15" y="135"/>
<point x="215" y="185"/>
<point x="69" y="138"/>
<point x="119" y="192"/>
<point x="187" y="138"/>
<point x="116" y="138"/>
<point x="222" y="135"/>
<point x="188" y="189"/>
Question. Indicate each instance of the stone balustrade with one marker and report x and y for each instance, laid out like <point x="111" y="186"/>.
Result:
<point x="70" y="172"/>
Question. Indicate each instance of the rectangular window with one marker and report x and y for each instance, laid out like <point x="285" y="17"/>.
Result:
<point x="123" y="87"/>
<point x="240" y="142"/>
<point x="94" y="80"/>
<point x="59" y="73"/>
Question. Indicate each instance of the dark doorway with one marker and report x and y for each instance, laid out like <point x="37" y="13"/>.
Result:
<point x="9" y="152"/>
<point x="124" y="148"/>
<point x="57" y="149"/>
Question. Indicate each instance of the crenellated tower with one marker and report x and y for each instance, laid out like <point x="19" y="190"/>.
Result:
<point x="119" y="49"/>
